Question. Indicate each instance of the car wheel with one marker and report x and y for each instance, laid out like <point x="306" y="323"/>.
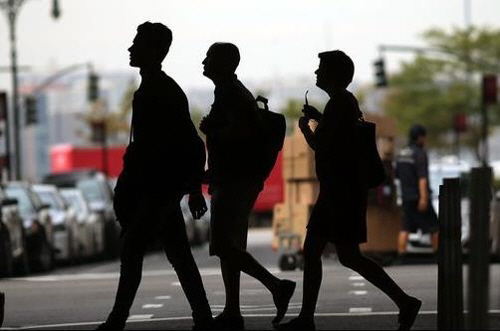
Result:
<point x="45" y="257"/>
<point x="287" y="262"/>
<point x="6" y="260"/>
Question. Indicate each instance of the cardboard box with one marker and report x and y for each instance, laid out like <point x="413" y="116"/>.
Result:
<point x="383" y="227"/>
<point x="302" y="191"/>
<point x="304" y="167"/>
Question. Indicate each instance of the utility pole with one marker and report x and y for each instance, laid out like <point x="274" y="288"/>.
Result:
<point x="11" y="9"/>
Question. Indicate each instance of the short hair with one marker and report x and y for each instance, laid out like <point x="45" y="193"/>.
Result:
<point x="156" y="36"/>
<point x="228" y="52"/>
<point x="340" y="65"/>
<point x="416" y="131"/>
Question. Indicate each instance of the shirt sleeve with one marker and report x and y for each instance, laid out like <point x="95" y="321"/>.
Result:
<point x="421" y="164"/>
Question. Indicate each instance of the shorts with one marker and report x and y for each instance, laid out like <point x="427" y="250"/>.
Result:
<point x="231" y="204"/>
<point x="414" y="220"/>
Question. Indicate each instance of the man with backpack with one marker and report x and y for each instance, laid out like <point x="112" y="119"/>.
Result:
<point x="236" y="143"/>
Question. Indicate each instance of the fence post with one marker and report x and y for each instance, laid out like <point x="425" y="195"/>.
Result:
<point x="450" y="292"/>
<point x="479" y="255"/>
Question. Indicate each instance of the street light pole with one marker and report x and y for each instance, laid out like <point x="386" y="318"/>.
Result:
<point x="12" y="7"/>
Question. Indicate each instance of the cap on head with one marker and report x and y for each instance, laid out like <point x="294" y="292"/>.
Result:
<point x="340" y="65"/>
<point x="156" y="36"/>
<point x="226" y="55"/>
<point x="416" y="131"/>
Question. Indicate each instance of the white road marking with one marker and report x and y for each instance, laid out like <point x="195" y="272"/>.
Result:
<point x="360" y="310"/>
<point x="358" y="284"/>
<point x="181" y="318"/>
<point x="152" y="305"/>
<point x="358" y="292"/>
<point x="114" y="275"/>
<point x="356" y="278"/>
<point x="163" y="297"/>
<point x="176" y="284"/>
<point x="140" y="317"/>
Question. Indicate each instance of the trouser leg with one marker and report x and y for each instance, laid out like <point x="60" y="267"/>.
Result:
<point x="179" y="254"/>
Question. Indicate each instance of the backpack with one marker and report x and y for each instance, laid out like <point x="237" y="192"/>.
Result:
<point x="274" y="130"/>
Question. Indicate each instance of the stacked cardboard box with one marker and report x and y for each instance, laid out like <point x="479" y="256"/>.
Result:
<point x="301" y="189"/>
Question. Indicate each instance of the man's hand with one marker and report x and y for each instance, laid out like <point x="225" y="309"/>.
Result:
<point x="204" y="124"/>
<point x="311" y="112"/>
<point x="197" y="205"/>
<point x="423" y="204"/>
<point x="304" y="124"/>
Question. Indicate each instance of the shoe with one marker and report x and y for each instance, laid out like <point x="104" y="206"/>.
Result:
<point x="408" y="313"/>
<point x="207" y="324"/>
<point x="2" y="307"/>
<point x="298" y="323"/>
<point x="282" y="299"/>
<point x="225" y="321"/>
<point x="111" y="326"/>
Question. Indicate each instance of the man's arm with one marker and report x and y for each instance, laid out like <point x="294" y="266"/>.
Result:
<point x="307" y="132"/>
<point x="423" y="194"/>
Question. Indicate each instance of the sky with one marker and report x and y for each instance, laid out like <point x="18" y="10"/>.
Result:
<point x="276" y="38"/>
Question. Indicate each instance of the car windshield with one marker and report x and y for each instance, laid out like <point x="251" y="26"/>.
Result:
<point x="91" y="190"/>
<point x="25" y="204"/>
<point x="51" y="199"/>
<point x="74" y="201"/>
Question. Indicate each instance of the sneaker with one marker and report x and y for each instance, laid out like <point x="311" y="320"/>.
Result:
<point x="225" y="321"/>
<point x="111" y="326"/>
<point x="408" y="313"/>
<point x="298" y="323"/>
<point x="206" y="324"/>
<point x="282" y="299"/>
<point x="2" y="307"/>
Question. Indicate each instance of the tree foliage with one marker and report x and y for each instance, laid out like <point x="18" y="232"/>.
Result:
<point x="438" y="84"/>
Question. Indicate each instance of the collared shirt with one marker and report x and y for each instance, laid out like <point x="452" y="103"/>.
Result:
<point x="411" y="165"/>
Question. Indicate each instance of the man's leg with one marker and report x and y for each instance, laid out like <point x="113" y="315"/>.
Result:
<point x="350" y="256"/>
<point x="133" y="245"/>
<point x="402" y="242"/>
<point x="435" y="241"/>
<point x="179" y="254"/>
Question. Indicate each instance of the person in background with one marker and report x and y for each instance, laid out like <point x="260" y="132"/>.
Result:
<point x="412" y="170"/>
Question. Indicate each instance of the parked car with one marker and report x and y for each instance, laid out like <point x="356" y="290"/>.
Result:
<point x="38" y="226"/>
<point x="197" y="230"/>
<point x="90" y="232"/>
<point x="13" y="251"/>
<point x="64" y="221"/>
<point x="99" y="195"/>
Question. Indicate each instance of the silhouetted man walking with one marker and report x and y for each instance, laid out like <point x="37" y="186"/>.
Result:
<point x="339" y="215"/>
<point x="164" y="161"/>
<point x="233" y="133"/>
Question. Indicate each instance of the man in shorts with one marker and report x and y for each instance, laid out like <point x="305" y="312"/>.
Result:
<point x="233" y="130"/>
<point x="412" y="170"/>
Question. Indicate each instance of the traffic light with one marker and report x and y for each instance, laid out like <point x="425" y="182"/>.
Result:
<point x="3" y="105"/>
<point x="93" y="87"/>
<point x="380" y="77"/>
<point x="56" y="11"/>
<point x="490" y="89"/>
<point x="460" y="122"/>
<point x="30" y="107"/>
